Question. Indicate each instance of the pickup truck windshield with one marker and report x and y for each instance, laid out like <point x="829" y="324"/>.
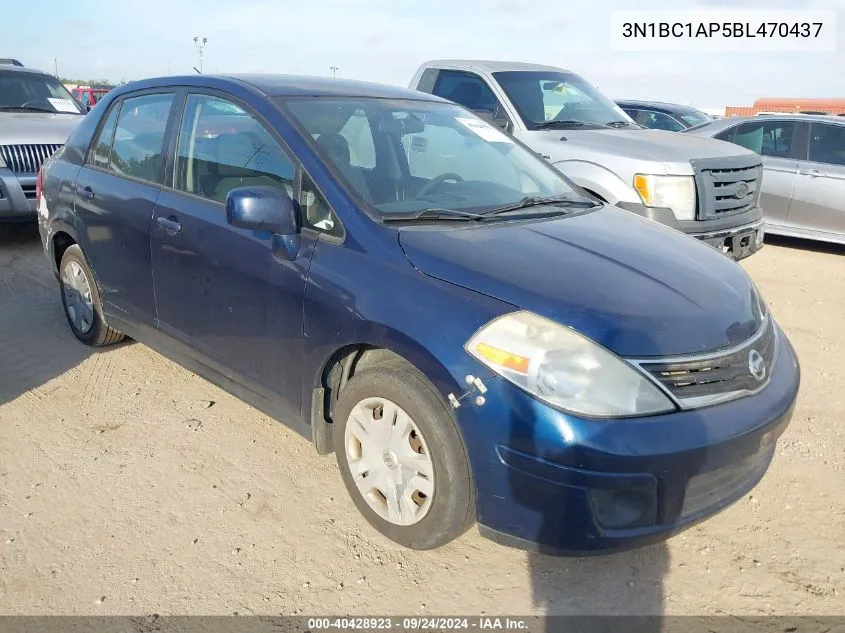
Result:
<point x="404" y="156"/>
<point x="544" y="98"/>
<point x="34" y="92"/>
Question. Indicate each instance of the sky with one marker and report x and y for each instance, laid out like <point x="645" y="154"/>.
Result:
<point x="386" y="40"/>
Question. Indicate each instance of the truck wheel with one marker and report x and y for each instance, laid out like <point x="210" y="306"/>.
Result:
<point x="402" y="458"/>
<point x="81" y="301"/>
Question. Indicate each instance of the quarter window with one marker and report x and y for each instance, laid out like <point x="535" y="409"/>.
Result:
<point x="827" y="144"/>
<point x="102" y="149"/>
<point x="222" y="146"/>
<point x="137" y="149"/>
<point x="316" y="212"/>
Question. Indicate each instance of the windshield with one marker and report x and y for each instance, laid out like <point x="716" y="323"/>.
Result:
<point x="543" y="96"/>
<point x="402" y="156"/>
<point x="35" y="92"/>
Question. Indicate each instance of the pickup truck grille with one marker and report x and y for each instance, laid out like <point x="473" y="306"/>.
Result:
<point x="715" y="376"/>
<point x="727" y="187"/>
<point x="27" y="159"/>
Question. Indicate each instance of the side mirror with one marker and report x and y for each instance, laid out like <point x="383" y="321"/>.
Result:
<point x="265" y="209"/>
<point x="494" y="119"/>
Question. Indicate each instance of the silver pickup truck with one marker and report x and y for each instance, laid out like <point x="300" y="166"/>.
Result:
<point x="709" y="189"/>
<point x="37" y="114"/>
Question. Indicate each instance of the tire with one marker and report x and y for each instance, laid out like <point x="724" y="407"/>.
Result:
<point x="92" y="329"/>
<point x="449" y="510"/>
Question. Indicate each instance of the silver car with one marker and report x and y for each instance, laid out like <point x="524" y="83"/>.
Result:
<point x="803" y="192"/>
<point x="37" y="114"/>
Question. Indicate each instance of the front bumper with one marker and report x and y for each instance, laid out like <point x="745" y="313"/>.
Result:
<point x="738" y="242"/>
<point x="17" y="196"/>
<point x="550" y="482"/>
<point x="723" y="234"/>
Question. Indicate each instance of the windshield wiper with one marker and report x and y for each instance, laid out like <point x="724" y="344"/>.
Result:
<point x="619" y="124"/>
<point x="546" y="125"/>
<point x="27" y="109"/>
<point x="536" y="201"/>
<point x="427" y="215"/>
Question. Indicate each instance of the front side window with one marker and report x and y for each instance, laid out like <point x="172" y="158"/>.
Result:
<point x="222" y="146"/>
<point x="769" y="138"/>
<point x="827" y="144"/>
<point x="435" y="155"/>
<point x="102" y="148"/>
<point x="35" y="92"/>
<point x="137" y="149"/>
<point x="547" y="99"/>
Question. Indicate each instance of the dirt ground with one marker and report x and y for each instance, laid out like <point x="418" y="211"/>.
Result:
<point x="130" y="486"/>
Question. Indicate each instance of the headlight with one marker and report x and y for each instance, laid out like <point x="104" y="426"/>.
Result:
<point x="565" y="369"/>
<point x="675" y="192"/>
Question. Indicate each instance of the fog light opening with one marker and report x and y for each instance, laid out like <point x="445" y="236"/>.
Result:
<point x="626" y="508"/>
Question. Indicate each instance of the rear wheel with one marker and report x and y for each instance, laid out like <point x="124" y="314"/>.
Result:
<point x="81" y="301"/>
<point x="401" y="457"/>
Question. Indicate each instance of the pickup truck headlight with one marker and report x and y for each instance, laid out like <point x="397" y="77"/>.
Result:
<point x="675" y="192"/>
<point x="557" y="365"/>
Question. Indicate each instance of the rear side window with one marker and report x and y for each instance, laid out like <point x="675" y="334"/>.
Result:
<point x="466" y="89"/>
<point x="827" y="144"/>
<point x="102" y="149"/>
<point x="769" y="138"/>
<point x="222" y="146"/>
<point x="727" y="135"/>
<point x="137" y="150"/>
<point x="659" y="121"/>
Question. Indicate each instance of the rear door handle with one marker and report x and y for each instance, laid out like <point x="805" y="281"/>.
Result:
<point x="87" y="193"/>
<point x="814" y="173"/>
<point x="171" y="225"/>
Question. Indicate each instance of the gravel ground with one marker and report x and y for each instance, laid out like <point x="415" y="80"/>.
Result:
<point x="130" y="486"/>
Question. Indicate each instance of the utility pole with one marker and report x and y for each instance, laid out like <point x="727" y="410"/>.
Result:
<point x="200" y="44"/>
<point x="56" y="63"/>
<point x="334" y="70"/>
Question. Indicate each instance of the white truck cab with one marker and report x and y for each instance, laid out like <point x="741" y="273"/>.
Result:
<point x="707" y="188"/>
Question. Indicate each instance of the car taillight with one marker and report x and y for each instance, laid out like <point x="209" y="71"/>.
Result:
<point x="38" y="184"/>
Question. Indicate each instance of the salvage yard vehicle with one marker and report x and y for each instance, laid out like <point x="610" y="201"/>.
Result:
<point x="411" y="289"/>
<point x="37" y="114"/>
<point x="706" y="189"/>
<point x="803" y="193"/>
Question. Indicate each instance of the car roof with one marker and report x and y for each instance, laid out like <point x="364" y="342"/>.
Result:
<point x="272" y="85"/>
<point x="22" y="69"/>
<point x="657" y="105"/>
<point x="490" y="66"/>
<point x="720" y="124"/>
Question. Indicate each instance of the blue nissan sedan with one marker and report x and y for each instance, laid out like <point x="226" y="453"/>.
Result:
<point x="472" y="335"/>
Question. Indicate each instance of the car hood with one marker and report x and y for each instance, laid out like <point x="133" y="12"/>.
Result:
<point x="21" y="128"/>
<point x="653" y="145"/>
<point x="637" y="287"/>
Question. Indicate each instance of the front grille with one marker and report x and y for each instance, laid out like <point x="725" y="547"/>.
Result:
<point x="719" y="374"/>
<point x="728" y="186"/>
<point x="27" y="159"/>
<point x="724" y="485"/>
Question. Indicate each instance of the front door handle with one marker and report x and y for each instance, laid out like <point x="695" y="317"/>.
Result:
<point x="171" y="225"/>
<point x="814" y="173"/>
<point x="87" y="193"/>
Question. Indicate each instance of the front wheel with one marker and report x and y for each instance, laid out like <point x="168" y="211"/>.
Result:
<point x="402" y="458"/>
